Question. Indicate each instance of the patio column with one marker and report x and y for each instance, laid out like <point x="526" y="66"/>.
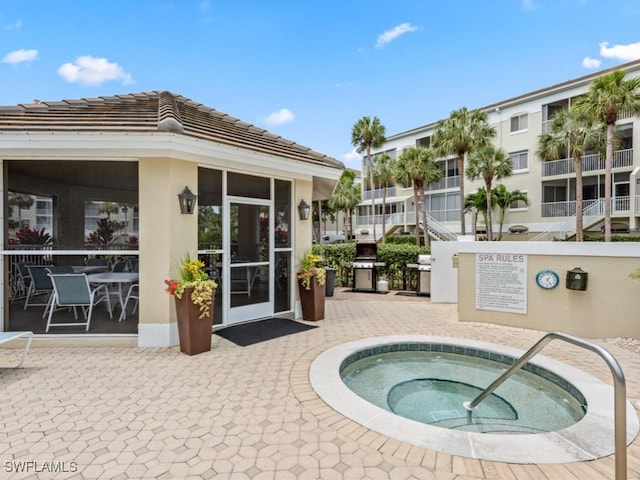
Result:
<point x="166" y="236"/>
<point x="303" y="232"/>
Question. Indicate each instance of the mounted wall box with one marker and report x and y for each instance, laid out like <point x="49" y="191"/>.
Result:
<point x="577" y="279"/>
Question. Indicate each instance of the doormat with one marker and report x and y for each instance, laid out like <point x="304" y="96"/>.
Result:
<point x="262" y="330"/>
<point x="407" y="294"/>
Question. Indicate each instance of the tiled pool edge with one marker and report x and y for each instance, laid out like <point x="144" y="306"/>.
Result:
<point x="580" y="442"/>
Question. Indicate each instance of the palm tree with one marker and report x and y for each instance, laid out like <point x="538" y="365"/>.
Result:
<point x="460" y="134"/>
<point x="346" y="197"/>
<point x="489" y="163"/>
<point x="415" y="167"/>
<point x="365" y="135"/>
<point x="571" y="133"/>
<point x="478" y="201"/>
<point x="384" y="176"/>
<point x="504" y="199"/>
<point x="608" y="96"/>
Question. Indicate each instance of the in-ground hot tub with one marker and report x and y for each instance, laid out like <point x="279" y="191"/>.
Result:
<point x="568" y="414"/>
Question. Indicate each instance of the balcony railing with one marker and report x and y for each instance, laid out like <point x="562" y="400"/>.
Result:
<point x="621" y="158"/>
<point x="619" y="205"/>
<point x="447" y="182"/>
<point x="379" y="193"/>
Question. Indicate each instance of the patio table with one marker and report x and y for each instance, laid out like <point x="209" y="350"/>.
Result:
<point x="118" y="278"/>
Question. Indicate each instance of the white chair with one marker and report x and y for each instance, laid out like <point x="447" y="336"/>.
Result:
<point x="73" y="290"/>
<point x="132" y="294"/>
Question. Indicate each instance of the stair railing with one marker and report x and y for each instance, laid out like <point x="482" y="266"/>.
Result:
<point x="619" y="397"/>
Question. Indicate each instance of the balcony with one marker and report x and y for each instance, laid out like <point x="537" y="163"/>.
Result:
<point x="447" y="182"/>
<point x="619" y="206"/>
<point x="590" y="163"/>
<point x="379" y="193"/>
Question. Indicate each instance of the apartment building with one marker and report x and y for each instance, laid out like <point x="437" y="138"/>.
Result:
<point x="548" y="185"/>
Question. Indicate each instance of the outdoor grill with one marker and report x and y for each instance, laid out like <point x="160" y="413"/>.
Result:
<point x="424" y="275"/>
<point x="364" y="267"/>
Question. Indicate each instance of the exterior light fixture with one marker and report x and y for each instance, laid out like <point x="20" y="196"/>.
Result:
<point x="303" y="210"/>
<point x="187" y="201"/>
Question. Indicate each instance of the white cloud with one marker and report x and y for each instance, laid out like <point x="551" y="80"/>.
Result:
<point x="529" y="4"/>
<point x="88" y="70"/>
<point x="17" y="25"/>
<point x="344" y="84"/>
<point x="352" y="160"/>
<point x="20" y="56"/>
<point x="280" y="117"/>
<point x="588" y="62"/>
<point x="390" y="35"/>
<point x="621" y="52"/>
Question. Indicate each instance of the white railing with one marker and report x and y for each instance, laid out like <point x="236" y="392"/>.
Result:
<point x="621" y="159"/>
<point x="619" y="205"/>
<point x="378" y="193"/>
<point x="447" y="182"/>
<point x="408" y="218"/>
<point x="592" y="209"/>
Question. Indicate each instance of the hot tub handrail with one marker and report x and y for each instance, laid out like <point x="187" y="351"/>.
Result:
<point x="619" y="398"/>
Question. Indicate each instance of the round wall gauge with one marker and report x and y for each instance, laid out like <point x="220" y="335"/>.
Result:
<point x="547" y="279"/>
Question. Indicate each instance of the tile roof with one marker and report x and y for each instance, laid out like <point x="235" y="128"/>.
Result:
<point x="153" y="112"/>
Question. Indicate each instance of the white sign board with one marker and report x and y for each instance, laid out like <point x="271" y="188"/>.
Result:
<point x="501" y="282"/>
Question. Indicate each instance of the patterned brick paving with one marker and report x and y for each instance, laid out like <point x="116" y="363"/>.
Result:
<point x="246" y="412"/>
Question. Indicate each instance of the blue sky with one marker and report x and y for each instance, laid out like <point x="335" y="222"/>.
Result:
<point x="308" y="70"/>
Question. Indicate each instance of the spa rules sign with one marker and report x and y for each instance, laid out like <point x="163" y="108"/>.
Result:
<point x="501" y="282"/>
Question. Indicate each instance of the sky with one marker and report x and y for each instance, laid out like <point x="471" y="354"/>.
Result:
<point x="308" y="70"/>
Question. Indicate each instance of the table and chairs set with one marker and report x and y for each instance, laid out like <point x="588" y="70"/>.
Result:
<point x="80" y="287"/>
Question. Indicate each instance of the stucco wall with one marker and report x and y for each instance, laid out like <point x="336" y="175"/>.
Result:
<point x="610" y="307"/>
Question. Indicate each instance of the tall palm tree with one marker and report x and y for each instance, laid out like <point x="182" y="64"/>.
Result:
<point x="384" y="176"/>
<point x="608" y="96"/>
<point x="346" y="197"/>
<point x="574" y="134"/>
<point x="489" y="163"/>
<point x="504" y="199"/>
<point x="416" y="166"/>
<point x="460" y="134"/>
<point x="365" y="135"/>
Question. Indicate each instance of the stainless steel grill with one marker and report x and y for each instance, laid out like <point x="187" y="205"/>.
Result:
<point x="424" y="275"/>
<point x="364" y="267"/>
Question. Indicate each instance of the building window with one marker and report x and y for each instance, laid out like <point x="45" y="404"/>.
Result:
<point x="424" y="142"/>
<point x="519" y="204"/>
<point x="519" y="123"/>
<point x="520" y="161"/>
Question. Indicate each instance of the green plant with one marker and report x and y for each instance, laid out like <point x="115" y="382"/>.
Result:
<point x="311" y="266"/>
<point x="192" y="275"/>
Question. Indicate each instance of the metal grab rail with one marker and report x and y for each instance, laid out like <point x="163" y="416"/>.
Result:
<point x="619" y="396"/>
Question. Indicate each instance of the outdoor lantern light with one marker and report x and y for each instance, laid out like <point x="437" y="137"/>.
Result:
<point x="304" y="210"/>
<point x="187" y="201"/>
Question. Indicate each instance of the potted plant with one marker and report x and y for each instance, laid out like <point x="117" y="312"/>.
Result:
<point x="311" y="280"/>
<point x="193" y="292"/>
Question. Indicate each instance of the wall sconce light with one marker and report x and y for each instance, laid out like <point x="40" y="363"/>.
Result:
<point x="187" y="201"/>
<point x="303" y="210"/>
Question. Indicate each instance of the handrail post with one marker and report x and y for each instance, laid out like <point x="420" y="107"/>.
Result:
<point x="619" y="391"/>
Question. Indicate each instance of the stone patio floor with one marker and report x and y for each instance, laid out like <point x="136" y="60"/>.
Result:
<point x="248" y="412"/>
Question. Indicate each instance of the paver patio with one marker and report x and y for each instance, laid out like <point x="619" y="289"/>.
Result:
<point x="247" y="412"/>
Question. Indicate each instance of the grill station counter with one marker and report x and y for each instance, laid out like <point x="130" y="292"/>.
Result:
<point x="424" y="274"/>
<point x="364" y="267"/>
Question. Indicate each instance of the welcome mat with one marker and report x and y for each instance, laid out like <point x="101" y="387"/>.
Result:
<point x="262" y="330"/>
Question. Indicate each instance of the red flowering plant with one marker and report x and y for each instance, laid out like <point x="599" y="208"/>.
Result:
<point x="192" y="275"/>
<point x="311" y="266"/>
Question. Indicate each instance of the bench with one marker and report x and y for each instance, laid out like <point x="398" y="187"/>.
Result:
<point x="10" y="336"/>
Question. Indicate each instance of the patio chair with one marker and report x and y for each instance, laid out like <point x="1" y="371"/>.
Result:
<point x="40" y="284"/>
<point x="73" y="290"/>
<point x="21" y="278"/>
<point x="132" y="294"/>
<point x="10" y="336"/>
<point x="97" y="262"/>
<point x="119" y="267"/>
<point x="240" y="276"/>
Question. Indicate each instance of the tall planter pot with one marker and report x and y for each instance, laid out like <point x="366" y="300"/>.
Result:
<point x="194" y="333"/>
<point x="312" y="301"/>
